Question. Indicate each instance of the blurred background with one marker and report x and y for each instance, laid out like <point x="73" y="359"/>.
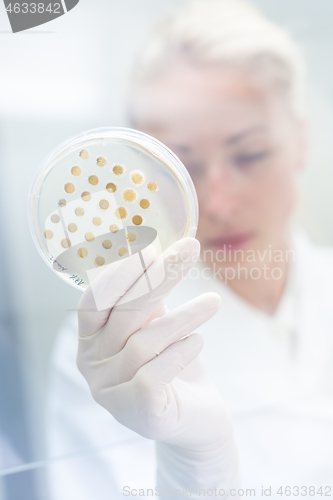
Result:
<point x="56" y="81"/>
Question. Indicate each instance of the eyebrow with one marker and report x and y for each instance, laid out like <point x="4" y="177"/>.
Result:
<point x="234" y="139"/>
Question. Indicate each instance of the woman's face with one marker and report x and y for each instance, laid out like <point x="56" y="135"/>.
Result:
<point x="240" y="143"/>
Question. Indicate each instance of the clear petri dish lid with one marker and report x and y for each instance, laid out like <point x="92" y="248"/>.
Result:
<point x="104" y="195"/>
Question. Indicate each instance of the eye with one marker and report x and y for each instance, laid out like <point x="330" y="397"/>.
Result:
<point x="248" y="159"/>
<point x="194" y="168"/>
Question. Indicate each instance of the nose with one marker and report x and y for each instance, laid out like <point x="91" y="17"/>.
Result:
<point x="223" y="192"/>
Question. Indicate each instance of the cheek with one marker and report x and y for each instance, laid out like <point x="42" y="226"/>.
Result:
<point x="206" y="214"/>
<point x="203" y="200"/>
<point x="202" y="194"/>
<point x="274" y="196"/>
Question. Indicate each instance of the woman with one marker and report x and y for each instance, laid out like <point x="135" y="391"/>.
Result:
<point x="222" y="87"/>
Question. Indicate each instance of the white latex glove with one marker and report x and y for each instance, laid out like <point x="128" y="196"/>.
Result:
<point x="147" y="375"/>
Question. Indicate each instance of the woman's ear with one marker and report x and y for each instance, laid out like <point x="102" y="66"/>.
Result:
<point x="302" y="139"/>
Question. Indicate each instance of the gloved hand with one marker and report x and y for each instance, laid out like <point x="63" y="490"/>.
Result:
<point x="140" y="367"/>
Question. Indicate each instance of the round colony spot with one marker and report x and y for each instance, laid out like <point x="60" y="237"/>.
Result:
<point x="129" y="195"/>
<point x="107" y="244"/>
<point x="62" y="203"/>
<point x="89" y="236"/>
<point x="104" y="204"/>
<point x="131" y="237"/>
<point x="48" y="234"/>
<point x="152" y="186"/>
<point x="111" y="187"/>
<point x="100" y="261"/>
<point x="93" y="180"/>
<point x="84" y="155"/>
<point x="101" y="162"/>
<point x="72" y="228"/>
<point x="144" y="204"/>
<point x="76" y="171"/>
<point x="66" y="243"/>
<point x="86" y="196"/>
<point x="114" y="228"/>
<point x="55" y="218"/>
<point x="69" y="188"/>
<point x="79" y="211"/>
<point x="122" y="251"/>
<point x="118" y="170"/>
<point x="137" y="177"/>
<point x="137" y="220"/>
<point x="97" y="221"/>
<point x="121" y="213"/>
<point x="82" y="252"/>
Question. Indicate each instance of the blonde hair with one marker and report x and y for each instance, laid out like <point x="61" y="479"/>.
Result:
<point x="230" y="32"/>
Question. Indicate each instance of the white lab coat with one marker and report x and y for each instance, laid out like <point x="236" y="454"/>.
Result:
<point x="275" y="373"/>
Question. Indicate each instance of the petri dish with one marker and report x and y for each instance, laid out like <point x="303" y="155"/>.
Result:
<point x="105" y="194"/>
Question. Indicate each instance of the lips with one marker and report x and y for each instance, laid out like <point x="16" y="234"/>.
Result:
<point x="231" y="242"/>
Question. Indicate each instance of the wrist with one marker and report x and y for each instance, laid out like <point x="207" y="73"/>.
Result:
<point x="207" y="467"/>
